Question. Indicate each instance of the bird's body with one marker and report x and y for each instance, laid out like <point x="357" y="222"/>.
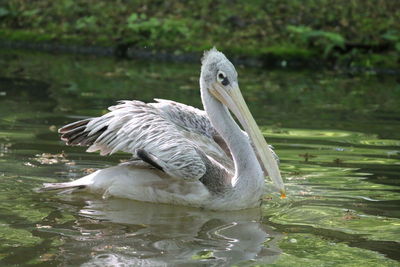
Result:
<point x="181" y="155"/>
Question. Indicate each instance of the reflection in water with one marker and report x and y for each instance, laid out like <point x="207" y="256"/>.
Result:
<point x="138" y="233"/>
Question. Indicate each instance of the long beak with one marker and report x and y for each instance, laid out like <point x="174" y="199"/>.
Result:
<point x="233" y="99"/>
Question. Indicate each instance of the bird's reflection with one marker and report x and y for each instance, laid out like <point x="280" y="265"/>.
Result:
<point x="117" y="231"/>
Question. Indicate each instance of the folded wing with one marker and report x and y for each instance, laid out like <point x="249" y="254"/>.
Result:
<point x="169" y="135"/>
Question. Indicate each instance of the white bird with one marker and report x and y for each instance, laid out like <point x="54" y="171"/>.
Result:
<point x="181" y="155"/>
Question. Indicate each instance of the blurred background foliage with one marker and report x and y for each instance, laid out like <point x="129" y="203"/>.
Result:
<point x="362" y="33"/>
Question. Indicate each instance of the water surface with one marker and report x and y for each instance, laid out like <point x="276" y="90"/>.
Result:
<point x="337" y="134"/>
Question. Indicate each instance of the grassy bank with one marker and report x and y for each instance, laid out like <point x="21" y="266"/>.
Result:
<point x="339" y="32"/>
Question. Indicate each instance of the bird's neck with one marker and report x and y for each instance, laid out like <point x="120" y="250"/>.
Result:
<point x="248" y="173"/>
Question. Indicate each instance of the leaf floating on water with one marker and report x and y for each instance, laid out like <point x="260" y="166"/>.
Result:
<point x="29" y="164"/>
<point x="39" y="226"/>
<point x="350" y="215"/>
<point x="49" y="159"/>
<point x="4" y="147"/>
<point x="53" y="128"/>
<point x="47" y="257"/>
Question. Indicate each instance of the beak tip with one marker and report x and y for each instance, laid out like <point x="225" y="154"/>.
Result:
<point x="283" y="193"/>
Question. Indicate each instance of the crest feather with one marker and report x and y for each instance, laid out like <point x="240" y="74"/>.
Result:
<point x="207" y="54"/>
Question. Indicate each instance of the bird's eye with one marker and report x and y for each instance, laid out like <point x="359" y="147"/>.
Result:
<point x="222" y="78"/>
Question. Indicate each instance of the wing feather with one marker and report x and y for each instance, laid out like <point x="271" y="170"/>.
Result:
<point x="198" y="129"/>
<point x="190" y="118"/>
<point x="134" y="125"/>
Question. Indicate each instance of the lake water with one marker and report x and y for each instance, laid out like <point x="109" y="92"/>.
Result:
<point x="337" y="134"/>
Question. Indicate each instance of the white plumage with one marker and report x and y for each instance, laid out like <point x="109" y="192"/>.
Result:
<point x="180" y="155"/>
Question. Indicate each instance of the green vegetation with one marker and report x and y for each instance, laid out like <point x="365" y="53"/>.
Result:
<point x="324" y="40"/>
<point x="344" y="32"/>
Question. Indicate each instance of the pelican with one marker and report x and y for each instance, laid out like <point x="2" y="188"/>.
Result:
<point x="181" y="155"/>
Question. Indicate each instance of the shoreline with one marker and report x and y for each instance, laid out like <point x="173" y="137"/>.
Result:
<point x="126" y="52"/>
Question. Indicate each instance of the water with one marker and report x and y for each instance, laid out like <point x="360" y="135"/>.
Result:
<point x="337" y="134"/>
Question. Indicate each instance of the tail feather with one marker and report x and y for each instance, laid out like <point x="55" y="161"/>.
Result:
<point x="68" y="187"/>
<point x="76" y="133"/>
<point x="73" y="125"/>
<point x="83" y="183"/>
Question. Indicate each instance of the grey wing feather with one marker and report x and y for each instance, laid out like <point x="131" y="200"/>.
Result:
<point x="190" y="118"/>
<point x="198" y="129"/>
<point x="134" y="125"/>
